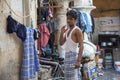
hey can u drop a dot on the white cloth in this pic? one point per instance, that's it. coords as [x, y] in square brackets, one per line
[69, 43]
[89, 50]
[89, 19]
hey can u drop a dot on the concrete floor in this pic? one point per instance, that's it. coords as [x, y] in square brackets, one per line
[110, 74]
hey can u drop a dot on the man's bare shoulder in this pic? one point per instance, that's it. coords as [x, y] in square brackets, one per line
[78, 30]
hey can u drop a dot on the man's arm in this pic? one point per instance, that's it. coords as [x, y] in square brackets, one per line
[80, 41]
[62, 36]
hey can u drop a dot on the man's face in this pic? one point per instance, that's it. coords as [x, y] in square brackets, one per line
[70, 21]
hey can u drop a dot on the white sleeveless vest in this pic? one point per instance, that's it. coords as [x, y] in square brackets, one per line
[69, 44]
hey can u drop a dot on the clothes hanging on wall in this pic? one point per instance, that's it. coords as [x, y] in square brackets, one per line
[85, 22]
[21, 32]
[12, 24]
[49, 37]
[51, 41]
[30, 60]
[93, 24]
[44, 35]
[15, 26]
[46, 13]
[81, 23]
[53, 28]
[52, 25]
[36, 33]
[50, 12]
[88, 22]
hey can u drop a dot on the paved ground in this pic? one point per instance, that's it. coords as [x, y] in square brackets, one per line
[110, 74]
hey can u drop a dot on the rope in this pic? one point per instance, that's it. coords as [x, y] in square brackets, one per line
[15, 12]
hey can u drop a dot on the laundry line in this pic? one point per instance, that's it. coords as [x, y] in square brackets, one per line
[11, 10]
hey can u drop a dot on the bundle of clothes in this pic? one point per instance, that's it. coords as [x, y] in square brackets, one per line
[48, 37]
[28, 35]
[48, 26]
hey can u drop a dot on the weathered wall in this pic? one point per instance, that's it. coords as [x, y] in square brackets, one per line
[104, 9]
[106, 24]
[10, 44]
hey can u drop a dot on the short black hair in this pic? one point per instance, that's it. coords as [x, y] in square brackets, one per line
[72, 13]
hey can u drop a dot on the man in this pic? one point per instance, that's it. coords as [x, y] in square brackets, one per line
[70, 38]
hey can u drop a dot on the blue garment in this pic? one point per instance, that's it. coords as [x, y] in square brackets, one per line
[30, 60]
[15, 26]
[88, 24]
[69, 66]
[21, 32]
[93, 24]
[11, 24]
[81, 21]
[44, 12]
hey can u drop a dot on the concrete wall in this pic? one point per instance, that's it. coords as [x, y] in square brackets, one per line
[106, 24]
[10, 44]
[105, 9]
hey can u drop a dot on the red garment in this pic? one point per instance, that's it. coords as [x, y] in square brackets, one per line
[44, 35]
[98, 47]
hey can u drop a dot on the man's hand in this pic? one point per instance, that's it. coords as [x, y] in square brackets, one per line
[62, 35]
[64, 29]
[77, 65]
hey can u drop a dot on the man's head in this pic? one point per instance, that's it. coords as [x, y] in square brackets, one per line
[71, 17]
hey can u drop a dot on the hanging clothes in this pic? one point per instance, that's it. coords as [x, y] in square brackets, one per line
[88, 22]
[44, 14]
[30, 60]
[53, 28]
[21, 32]
[44, 11]
[50, 12]
[81, 23]
[44, 35]
[12, 24]
[93, 24]
[52, 25]
[15, 26]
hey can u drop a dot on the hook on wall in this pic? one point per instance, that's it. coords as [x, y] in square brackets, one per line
[10, 12]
